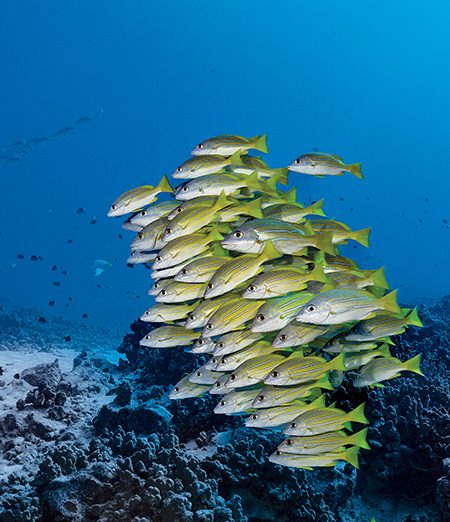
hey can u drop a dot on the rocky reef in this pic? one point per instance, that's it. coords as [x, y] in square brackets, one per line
[98, 441]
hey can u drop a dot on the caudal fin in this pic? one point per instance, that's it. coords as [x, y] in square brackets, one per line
[318, 274]
[214, 234]
[164, 185]
[325, 242]
[282, 175]
[361, 236]
[270, 252]
[261, 143]
[337, 363]
[253, 209]
[359, 439]
[379, 278]
[357, 415]
[351, 456]
[413, 365]
[235, 159]
[316, 208]
[413, 318]
[389, 303]
[355, 169]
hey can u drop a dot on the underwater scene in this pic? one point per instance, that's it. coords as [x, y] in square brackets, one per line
[223, 261]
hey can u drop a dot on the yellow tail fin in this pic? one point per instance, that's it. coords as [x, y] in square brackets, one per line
[389, 303]
[413, 365]
[260, 143]
[355, 169]
[164, 185]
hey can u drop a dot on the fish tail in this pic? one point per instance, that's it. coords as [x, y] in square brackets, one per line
[253, 209]
[389, 303]
[357, 415]
[324, 383]
[235, 159]
[318, 274]
[222, 201]
[316, 208]
[325, 242]
[384, 350]
[337, 363]
[282, 175]
[355, 169]
[361, 236]
[413, 365]
[261, 143]
[252, 182]
[413, 318]
[291, 195]
[215, 235]
[164, 185]
[379, 278]
[270, 252]
[351, 456]
[359, 439]
[319, 402]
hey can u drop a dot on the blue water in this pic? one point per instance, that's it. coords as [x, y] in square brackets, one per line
[368, 81]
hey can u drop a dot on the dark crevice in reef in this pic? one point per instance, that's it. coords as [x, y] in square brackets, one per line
[144, 458]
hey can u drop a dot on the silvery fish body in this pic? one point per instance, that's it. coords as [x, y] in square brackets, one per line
[185, 389]
[237, 401]
[229, 144]
[168, 337]
[153, 213]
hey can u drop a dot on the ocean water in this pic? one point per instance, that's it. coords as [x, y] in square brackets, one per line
[97, 97]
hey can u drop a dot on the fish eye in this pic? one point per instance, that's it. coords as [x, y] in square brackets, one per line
[288, 442]
[238, 234]
[147, 336]
[113, 207]
[220, 345]
[200, 342]
[260, 398]
[224, 360]
[223, 403]
[158, 258]
[198, 374]
[209, 326]
[233, 377]
[156, 285]
[168, 231]
[179, 169]
[217, 385]
[192, 317]
[185, 188]
[214, 360]
[144, 213]
[297, 161]
[209, 286]
[251, 288]
[278, 453]
[283, 337]
[311, 308]
[255, 416]
[177, 389]
[184, 271]
[140, 236]
[179, 209]
[163, 292]
[261, 317]
[147, 312]
[275, 374]
[293, 425]
[200, 146]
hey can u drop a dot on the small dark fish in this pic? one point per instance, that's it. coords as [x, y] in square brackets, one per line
[56, 283]
[420, 221]
[445, 220]
[51, 303]
[54, 268]
[120, 236]
[70, 299]
[70, 241]
[34, 258]
[80, 210]
[94, 221]
[67, 338]
[341, 199]
[84, 316]
[20, 256]
[42, 320]
[64, 272]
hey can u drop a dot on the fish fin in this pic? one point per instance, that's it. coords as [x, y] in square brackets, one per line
[359, 439]
[270, 252]
[357, 415]
[379, 278]
[348, 426]
[337, 363]
[253, 209]
[222, 201]
[384, 350]
[361, 236]
[355, 169]
[320, 402]
[351, 456]
[318, 274]
[379, 385]
[389, 303]
[261, 143]
[306, 228]
[235, 159]
[325, 242]
[316, 208]
[413, 318]
[413, 365]
[324, 383]
[282, 175]
[164, 185]
[291, 195]
[214, 234]
[252, 181]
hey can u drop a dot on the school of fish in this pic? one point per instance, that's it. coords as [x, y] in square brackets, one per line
[252, 278]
